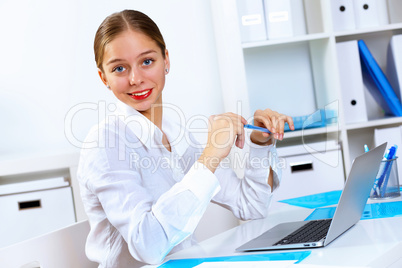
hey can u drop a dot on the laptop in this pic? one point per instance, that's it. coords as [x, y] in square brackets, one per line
[319, 233]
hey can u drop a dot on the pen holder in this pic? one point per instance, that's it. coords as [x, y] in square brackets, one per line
[386, 184]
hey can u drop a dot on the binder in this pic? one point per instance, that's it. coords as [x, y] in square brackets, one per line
[278, 19]
[377, 83]
[251, 20]
[392, 135]
[353, 99]
[394, 64]
[343, 15]
[298, 18]
[394, 11]
[366, 13]
[382, 12]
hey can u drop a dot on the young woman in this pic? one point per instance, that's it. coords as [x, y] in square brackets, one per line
[146, 186]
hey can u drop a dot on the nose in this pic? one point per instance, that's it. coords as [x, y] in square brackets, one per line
[135, 77]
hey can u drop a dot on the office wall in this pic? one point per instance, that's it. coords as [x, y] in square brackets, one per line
[48, 68]
[48, 74]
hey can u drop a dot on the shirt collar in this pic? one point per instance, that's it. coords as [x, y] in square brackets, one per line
[149, 134]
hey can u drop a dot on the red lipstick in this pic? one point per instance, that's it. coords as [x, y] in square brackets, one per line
[140, 95]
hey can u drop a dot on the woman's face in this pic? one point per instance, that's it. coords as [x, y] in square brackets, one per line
[134, 69]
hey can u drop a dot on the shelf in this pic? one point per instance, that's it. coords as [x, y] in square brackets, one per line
[384, 28]
[375, 123]
[318, 36]
[32, 163]
[312, 131]
[295, 39]
[304, 67]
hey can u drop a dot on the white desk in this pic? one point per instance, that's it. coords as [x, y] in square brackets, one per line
[372, 243]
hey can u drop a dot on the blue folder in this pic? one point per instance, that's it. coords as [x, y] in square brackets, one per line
[282, 256]
[377, 83]
[371, 211]
[315, 200]
[319, 118]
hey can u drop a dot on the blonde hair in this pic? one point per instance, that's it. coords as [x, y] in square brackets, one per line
[122, 21]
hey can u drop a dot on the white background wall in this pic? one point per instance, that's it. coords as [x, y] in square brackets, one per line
[48, 68]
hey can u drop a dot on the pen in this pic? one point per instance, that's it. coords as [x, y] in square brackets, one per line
[256, 128]
[366, 149]
[382, 184]
[381, 181]
[380, 172]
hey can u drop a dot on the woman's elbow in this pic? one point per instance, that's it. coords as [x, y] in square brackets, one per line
[150, 254]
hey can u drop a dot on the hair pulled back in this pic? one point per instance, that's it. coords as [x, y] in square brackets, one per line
[122, 21]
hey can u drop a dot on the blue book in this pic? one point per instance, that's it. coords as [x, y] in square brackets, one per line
[319, 118]
[377, 83]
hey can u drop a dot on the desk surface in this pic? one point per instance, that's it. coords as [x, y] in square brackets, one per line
[372, 242]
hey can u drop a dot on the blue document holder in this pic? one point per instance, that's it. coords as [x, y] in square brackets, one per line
[315, 200]
[377, 83]
[371, 211]
[320, 118]
[286, 256]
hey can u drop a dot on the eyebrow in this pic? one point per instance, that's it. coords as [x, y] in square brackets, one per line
[140, 55]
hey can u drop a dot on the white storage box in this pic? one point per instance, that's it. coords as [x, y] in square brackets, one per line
[309, 169]
[34, 212]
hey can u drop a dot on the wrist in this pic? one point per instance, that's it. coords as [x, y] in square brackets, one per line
[210, 161]
[261, 142]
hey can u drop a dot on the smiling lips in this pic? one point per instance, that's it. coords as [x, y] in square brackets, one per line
[140, 95]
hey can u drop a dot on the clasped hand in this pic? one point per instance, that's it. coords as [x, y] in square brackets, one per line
[227, 129]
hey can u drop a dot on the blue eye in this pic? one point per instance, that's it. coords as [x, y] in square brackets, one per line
[119, 69]
[147, 62]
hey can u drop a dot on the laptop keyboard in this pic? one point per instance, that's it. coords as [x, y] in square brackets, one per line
[310, 232]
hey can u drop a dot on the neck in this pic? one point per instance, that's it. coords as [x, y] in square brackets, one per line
[154, 114]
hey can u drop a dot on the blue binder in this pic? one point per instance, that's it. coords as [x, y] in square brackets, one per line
[377, 83]
[319, 118]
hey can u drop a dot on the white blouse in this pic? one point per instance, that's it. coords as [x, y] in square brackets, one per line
[144, 202]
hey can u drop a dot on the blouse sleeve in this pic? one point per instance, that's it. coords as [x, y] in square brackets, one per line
[248, 197]
[151, 229]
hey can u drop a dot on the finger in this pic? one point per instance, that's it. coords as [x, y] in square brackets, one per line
[238, 118]
[240, 139]
[243, 121]
[241, 136]
[281, 123]
[210, 122]
[274, 120]
[281, 128]
[290, 123]
[265, 122]
[237, 128]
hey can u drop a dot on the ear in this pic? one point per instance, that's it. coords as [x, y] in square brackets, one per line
[103, 77]
[167, 60]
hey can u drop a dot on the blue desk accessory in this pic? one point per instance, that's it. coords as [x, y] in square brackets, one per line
[320, 118]
[366, 149]
[321, 213]
[382, 210]
[380, 183]
[256, 128]
[315, 200]
[286, 256]
[371, 211]
[377, 83]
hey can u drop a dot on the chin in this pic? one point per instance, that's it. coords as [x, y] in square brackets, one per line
[141, 107]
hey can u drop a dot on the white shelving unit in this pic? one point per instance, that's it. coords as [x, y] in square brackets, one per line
[277, 73]
[33, 198]
[21, 168]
